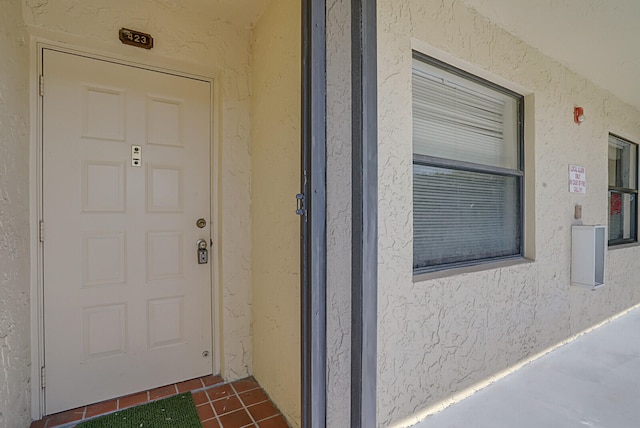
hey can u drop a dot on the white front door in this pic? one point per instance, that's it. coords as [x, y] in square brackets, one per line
[126, 176]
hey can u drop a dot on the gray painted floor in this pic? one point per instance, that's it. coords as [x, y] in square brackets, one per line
[591, 382]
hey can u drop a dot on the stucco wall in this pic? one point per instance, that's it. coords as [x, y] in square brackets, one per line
[338, 212]
[15, 355]
[186, 36]
[275, 179]
[439, 336]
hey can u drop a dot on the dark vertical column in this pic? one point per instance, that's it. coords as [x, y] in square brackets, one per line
[365, 215]
[314, 209]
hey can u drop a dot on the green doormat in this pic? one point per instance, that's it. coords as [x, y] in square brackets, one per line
[178, 411]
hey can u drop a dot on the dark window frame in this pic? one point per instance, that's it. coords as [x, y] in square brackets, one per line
[519, 174]
[617, 242]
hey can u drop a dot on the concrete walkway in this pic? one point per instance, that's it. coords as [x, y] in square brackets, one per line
[592, 382]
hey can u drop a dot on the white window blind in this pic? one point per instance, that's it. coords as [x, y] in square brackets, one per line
[467, 173]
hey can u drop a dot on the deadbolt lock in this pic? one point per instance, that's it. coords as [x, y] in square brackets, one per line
[201, 223]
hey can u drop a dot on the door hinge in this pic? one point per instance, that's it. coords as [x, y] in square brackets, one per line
[301, 206]
[41, 84]
[41, 231]
[42, 378]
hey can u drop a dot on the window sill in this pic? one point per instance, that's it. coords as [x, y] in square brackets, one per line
[420, 277]
[622, 246]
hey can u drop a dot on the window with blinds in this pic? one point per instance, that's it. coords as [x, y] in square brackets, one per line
[623, 191]
[467, 168]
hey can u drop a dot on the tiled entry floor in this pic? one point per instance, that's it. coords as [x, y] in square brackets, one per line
[238, 404]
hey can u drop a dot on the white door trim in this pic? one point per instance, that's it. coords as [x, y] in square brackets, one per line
[36, 200]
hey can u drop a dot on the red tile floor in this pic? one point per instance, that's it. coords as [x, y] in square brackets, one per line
[238, 404]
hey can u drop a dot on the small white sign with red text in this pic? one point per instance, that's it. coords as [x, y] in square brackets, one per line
[577, 179]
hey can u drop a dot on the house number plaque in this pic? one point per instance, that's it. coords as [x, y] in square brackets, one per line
[135, 38]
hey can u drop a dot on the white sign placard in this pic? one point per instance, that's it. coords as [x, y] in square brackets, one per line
[577, 179]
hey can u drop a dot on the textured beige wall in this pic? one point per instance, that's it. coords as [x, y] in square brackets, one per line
[184, 35]
[275, 179]
[15, 355]
[440, 336]
[338, 213]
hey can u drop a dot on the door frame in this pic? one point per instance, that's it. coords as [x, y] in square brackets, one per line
[313, 225]
[364, 238]
[364, 227]
[157, 64]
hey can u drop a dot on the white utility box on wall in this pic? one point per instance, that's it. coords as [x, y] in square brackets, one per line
[588, 251]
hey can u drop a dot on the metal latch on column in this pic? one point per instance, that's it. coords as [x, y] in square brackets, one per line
[301, 206]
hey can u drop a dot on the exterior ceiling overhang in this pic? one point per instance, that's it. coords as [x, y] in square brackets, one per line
[596, 39]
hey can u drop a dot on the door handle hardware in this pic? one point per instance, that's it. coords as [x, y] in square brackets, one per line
[203, 253]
